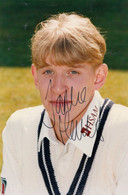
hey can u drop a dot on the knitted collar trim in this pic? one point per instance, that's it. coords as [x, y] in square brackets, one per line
[45, 162]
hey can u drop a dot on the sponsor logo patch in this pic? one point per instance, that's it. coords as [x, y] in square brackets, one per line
[3, 185]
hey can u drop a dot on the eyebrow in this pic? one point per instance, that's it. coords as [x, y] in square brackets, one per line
[46, 65]
[77, 65]
[70, 66]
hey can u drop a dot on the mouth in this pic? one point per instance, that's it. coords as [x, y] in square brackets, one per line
[58, 103]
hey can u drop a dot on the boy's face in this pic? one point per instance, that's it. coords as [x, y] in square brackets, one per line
[67, 91]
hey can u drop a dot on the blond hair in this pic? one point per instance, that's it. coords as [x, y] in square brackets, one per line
[67, 39]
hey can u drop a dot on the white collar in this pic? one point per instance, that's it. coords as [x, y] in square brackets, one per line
[87, 142]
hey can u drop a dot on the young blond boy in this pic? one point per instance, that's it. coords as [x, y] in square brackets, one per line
[76, 142]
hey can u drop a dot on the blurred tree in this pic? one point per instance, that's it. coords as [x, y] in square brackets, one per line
[18, 19]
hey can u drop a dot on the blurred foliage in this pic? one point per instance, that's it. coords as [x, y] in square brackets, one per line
[18, 19]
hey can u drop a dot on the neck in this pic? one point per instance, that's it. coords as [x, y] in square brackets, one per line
[63, 129]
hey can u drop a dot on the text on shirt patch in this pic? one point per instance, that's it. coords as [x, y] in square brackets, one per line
[90, 121]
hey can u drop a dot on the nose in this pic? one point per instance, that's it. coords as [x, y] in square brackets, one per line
[59, 85]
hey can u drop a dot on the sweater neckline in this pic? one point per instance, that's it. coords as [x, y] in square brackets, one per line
[79, 181]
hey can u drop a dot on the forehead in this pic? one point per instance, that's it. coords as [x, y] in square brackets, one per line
[51, 62]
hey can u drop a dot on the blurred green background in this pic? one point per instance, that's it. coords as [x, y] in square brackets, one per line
[18, 19]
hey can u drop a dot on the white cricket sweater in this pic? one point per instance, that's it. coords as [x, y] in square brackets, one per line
[109, 172]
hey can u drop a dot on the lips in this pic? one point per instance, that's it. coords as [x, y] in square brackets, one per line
[60, 102]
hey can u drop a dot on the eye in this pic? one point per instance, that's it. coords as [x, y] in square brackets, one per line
[48, 72]
[73, 72]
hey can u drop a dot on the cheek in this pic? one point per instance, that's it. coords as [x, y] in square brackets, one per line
[89, 84]
[43, 86]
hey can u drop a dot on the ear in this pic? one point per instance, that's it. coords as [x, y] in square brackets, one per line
[100, 77]
[34, 73]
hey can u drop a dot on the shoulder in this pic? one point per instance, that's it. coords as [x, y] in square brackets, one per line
[118, 115]
[116, 126]
[26, 114]
[24, 120]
